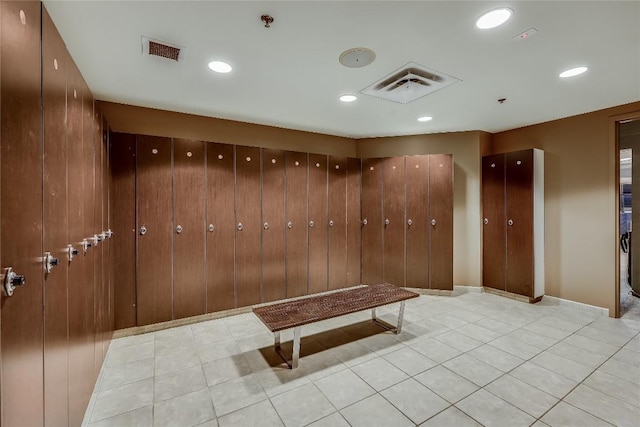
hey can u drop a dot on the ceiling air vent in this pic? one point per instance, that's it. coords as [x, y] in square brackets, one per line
[162, 49]
[408, 83]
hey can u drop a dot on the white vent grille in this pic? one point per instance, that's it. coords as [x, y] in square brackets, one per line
[408, 83]
[152, 47]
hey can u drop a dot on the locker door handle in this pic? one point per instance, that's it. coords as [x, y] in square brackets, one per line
[409, 222]
[311, 224]
[331, 223]
[433, 222]
[364, 221]
[266, 226]
[50, 262]
[71, 252]
[86, 244]
[240, 226]
[11, 281]
[386, 221]
[510, 222]
[179, 229]
[486, 221]
[289, 225]
[109, 233]
[211, 228]
[143, 230]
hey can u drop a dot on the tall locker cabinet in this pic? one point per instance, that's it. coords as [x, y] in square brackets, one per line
[513, 222]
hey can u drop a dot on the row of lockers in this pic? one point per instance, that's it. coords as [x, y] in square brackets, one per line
[57, 322]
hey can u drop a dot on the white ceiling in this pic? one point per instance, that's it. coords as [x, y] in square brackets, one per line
[289, 75]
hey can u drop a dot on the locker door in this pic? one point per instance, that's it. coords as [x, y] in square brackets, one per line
[21, 215]
[189, 288]
[394, 220]
[354, 227]
[318, 223]
[248, 227]
[441, 217]
[372, 221]
[123, 202]
[494, 222]
[221, 225]
[97, 229]
[273, 267]
[154, 230]
[55, 224]
[519, 209]
[296, 223]
[337, 222]
[417, 223]
[80, 306]
[106, 287]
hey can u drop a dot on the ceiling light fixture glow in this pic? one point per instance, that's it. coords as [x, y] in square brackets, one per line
[220, 67]
[494, 18]
[573, 72]
[424, 118]
[348, 98]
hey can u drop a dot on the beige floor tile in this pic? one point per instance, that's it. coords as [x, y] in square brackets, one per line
[259, 414]
[374, 411]
[446, 383]
[459, 341]
[227, 369]
[236, 394]
[141, 417]
[478, 333]
[436, 350]
[410, 361]
[531, 338]
[560, 365]
[333, 420]
[591, 345]
[604, 336]
[130, 353]
[123, 399]
[174, 344]
[616, 387]
[179, 383]
[451, 417]
[546, 330]
[492, 411]
[219, 350]
[522, 395]
[414, 400]
[628, 356]
[280, 380]
[515, 347]
[185, 411]
[495, 357]
[604, 406]
[496, 326]
[302, 406]
[177, 361]
[565, 415]
[126, 373]
[543, 379]
[577, 354]
[472, 369]
[131, 340]
[344, 388]
[621, 370]
[379, 373]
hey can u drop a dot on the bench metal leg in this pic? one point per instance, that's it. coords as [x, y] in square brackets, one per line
[373, 314]
[293, 363]
[397, 329]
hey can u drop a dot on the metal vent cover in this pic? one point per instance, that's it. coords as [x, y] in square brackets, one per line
[408, 83]
[162, 49]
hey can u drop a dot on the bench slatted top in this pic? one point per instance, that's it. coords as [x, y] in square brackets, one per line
[291, 314]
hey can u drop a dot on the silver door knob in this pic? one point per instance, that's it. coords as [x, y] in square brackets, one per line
[409, 222]
[179, 229]
[289, 225]
[11, 281]
[486, 221]
[143, 230]
[510, 222]
[433, 222]
[311, 224]
[240, 226]
[364, 221]
[266, 226]
[386, 221]
[211, 228]
[330, 223]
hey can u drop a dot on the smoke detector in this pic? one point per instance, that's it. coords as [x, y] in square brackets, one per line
[357, 57]
[162, 49]
[408, 83]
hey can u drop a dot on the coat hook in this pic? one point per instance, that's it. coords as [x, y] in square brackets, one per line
[267, 19]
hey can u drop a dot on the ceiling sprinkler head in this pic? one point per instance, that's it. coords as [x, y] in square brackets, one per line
[267, 19]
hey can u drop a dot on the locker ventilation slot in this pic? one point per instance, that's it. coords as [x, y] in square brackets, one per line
[162, 49]
[408, 83]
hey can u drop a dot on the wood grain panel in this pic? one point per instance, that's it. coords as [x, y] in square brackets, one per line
[107, 327]
[248, 249]
[519, 208]
[56, 373]
[372, 247]
[220, 216]
[123, 202]
[354, 227]
[318, 223]
[155, 247]
[417, 187]
[394, 212]
[189, 286]
[337, 222]
[494, 222]
[296, 215]
[273, 236]
[21, 216]
[441, 210]
[99, 309]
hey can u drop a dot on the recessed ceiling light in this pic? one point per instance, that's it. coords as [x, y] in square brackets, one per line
[424, 118]
[573, 72]
[494, 18]
[219, 66]
[348, 98]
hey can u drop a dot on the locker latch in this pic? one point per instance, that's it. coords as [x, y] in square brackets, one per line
[331, 223]
[409, 222]
[86, 244]
[10, 281]
[179, 229]
[71, 252]
[109, 233]
[386, 221]
[50, 261]
[96, 240]
[364, 221]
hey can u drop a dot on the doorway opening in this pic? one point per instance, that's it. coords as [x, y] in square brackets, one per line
[629, 209]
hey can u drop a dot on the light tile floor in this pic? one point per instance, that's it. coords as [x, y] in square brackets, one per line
[472, 359]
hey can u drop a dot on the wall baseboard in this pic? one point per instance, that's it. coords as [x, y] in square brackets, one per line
[576, 305]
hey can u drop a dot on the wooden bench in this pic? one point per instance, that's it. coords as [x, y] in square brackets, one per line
[295, 314]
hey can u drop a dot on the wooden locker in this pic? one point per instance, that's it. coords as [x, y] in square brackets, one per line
[354, 226]
[98, 247]
[318, 223]
[417, 223]
[338, 222]
[80, 300]
[494, 222]
[273, 254]
[394, 220]
[441, 221]
[248, 227]
[55, 225]
[154, 230]
[296, 223]
[106, 244]
[372, 221]
[221, 227]
[21, 215]
[519, 214]
[123, 202]
[189, 286]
